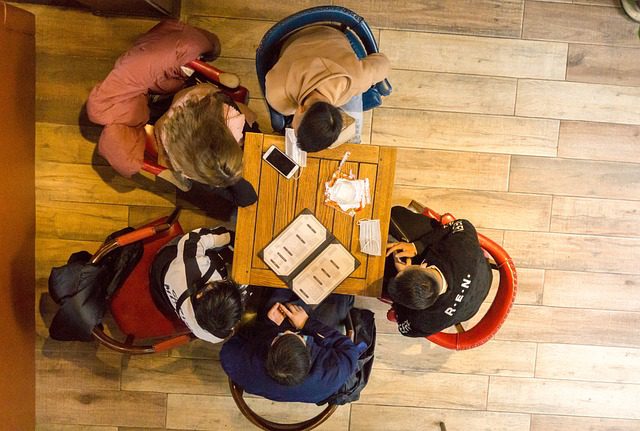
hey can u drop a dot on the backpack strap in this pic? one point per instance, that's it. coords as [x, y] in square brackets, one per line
[198, 284]
[193, 290]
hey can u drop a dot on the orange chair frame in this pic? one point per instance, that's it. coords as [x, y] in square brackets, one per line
[153, 235]
[493, 319]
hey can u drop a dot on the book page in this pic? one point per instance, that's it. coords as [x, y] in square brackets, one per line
[297, 242]
[324, 274]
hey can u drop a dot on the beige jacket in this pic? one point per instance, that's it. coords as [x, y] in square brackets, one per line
[321, 58]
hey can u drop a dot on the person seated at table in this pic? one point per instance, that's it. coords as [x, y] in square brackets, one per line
[438, 280]
[317, 71]
[183, 140]
[198, 138]
[292, 355]
[189, 278]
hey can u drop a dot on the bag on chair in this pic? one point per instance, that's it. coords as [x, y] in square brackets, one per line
[83, 289]
[364, 327]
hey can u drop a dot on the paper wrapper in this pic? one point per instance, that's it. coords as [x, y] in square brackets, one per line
[360, 193]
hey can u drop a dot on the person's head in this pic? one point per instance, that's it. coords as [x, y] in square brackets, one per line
[197, 140]
[317, 126]
[218, 307]
[288, 359]
[416, 287]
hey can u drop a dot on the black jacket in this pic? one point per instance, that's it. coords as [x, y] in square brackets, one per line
[454, 249]
[83, 289]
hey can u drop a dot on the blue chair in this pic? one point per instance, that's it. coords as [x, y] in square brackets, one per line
[354, 28]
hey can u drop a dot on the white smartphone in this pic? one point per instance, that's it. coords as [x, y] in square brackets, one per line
[280, 162]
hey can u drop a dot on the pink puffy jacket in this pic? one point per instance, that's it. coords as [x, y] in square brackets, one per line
[152, 65]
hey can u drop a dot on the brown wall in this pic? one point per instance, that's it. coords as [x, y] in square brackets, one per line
[17, 218]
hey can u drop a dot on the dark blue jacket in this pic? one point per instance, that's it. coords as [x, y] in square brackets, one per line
[334, 359]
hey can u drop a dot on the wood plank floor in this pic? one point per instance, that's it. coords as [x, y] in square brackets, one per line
[519, 115]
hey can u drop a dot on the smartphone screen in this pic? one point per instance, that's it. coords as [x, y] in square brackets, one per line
[280, 162]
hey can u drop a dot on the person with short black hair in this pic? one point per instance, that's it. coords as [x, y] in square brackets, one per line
[189, 277]
[415, 288]
[218, 307]
[440, 278]
[291, 355]
[288, 360]
[319, 128]
[316, 72]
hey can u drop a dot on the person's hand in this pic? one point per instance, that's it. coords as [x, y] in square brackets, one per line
[400, 264]
[402, 254]
[276, 314]
[296, 315]
[402, 249]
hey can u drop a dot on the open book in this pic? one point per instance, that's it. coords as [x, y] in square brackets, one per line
[308, 258]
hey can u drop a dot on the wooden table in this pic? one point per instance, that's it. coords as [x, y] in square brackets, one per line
[281, 200]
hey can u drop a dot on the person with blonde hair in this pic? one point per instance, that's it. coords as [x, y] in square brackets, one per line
[195, 139]
[198, 138]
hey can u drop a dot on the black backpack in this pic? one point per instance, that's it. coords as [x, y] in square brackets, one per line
[364, 327]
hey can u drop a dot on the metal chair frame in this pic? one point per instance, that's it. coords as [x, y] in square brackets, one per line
[161, 226]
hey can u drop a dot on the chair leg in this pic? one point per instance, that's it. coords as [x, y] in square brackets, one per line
[443, 427]
[129, 340]
[416, 206]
